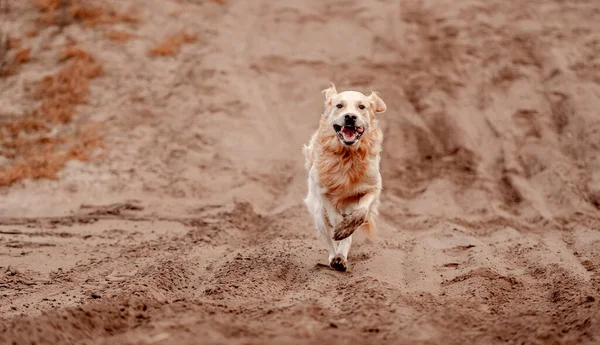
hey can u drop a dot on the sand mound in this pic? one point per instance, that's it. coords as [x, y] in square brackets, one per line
[189, 228]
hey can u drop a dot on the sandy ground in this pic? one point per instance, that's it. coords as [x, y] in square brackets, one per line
[189, 227]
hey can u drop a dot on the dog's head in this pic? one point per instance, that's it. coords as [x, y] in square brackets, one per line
[350, 114]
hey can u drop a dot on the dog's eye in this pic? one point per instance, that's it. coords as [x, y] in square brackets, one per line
[340, 106]
[361, 107]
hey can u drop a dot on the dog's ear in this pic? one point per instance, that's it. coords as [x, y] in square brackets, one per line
[377, 103]
[329, 93]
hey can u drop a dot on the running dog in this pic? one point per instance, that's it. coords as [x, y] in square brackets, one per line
[342, 160]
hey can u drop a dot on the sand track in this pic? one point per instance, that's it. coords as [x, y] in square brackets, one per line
[188, 227]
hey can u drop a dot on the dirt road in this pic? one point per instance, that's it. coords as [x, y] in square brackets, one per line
[173, 130]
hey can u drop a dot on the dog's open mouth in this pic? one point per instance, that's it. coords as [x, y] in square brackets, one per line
[349, 134]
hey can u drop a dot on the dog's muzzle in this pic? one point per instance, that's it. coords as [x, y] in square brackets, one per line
[349, 133]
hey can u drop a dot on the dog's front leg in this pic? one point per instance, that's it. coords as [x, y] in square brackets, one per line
[356, 218]
[340, 261]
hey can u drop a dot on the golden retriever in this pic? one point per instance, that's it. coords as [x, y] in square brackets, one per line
[342, 160]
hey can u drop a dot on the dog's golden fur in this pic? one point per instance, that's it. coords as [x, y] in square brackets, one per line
[344, 179]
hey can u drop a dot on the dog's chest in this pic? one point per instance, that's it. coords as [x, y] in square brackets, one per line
[343, 176]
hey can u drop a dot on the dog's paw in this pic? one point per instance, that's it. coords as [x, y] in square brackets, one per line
[339, 263]
[348, 225]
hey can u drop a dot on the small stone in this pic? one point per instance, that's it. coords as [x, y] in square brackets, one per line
[11, 271]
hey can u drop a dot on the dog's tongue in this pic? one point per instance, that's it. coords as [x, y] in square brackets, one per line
[349, 134]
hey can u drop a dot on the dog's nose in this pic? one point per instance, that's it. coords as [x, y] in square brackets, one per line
[350, 118]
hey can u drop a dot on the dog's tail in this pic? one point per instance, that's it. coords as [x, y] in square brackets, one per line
[369, 226]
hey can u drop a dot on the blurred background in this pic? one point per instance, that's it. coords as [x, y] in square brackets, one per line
[150, 153]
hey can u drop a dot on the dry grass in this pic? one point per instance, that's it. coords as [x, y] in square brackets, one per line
[170, 45]
[59, 93]
[14, 43]
[45, 156]
[4, 51]
[119, 36]
[47, 5]
[31, 33]
[30, 143]
[95, 15]
[85, 12]
[22, 56]
[4, 8]
[12, 55]
[39, 144]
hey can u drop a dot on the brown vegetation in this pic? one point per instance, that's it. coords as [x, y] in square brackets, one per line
[31, 33]
[45, 156]
[60, 12]
[119, 36]
[14, 43]
[29, 143]
[12, 55]
[38, 144]
[170, 45]
[60, 92]
[22, 55]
